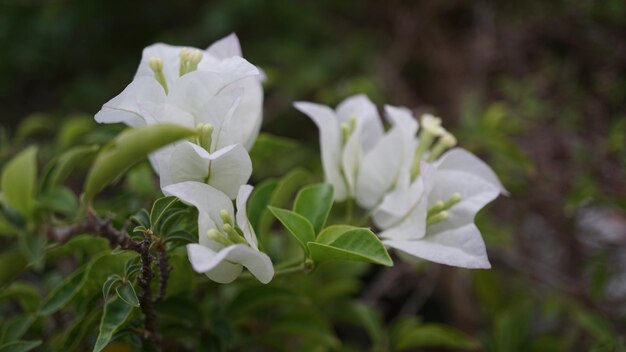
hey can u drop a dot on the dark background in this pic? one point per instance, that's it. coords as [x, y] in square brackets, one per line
[536, 88]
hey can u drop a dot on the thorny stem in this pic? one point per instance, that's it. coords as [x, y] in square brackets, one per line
[103, 227]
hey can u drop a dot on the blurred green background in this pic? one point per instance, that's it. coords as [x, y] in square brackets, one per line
[536, 88]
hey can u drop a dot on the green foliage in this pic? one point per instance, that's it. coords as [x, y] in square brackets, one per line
[314, 203]
[115, 314]
[19, 182]
[341, 243]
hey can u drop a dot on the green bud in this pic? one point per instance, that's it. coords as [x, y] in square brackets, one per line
[156, 65]
[437, 218]
[215, 235]
[233, 235]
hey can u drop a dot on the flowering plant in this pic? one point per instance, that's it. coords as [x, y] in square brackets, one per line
[196, 114]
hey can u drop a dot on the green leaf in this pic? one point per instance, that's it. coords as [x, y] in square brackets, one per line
[33, 246]
[256, 297]
[6, 227]
[12, 262]
[74, 130]
[58, 170]
[19, 346]
[25, 293]
[141, 218]
[434, 336]
[127, 293]
[111, 281]
[285, 188]
[259, 199]
[131, 146]
[359, 244]
[62, 294]
[159, 208]
[115, 314]
[60, 200]
[19, 181]
[15, 328]
[314, 203]
[37, 124]
[297, 225]
[181, 238]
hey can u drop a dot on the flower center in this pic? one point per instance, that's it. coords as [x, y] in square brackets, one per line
[156, 65]
[189, 59]
[439, 211]
[347, 128]
[205, 135]
[430, 130]
[229, 235]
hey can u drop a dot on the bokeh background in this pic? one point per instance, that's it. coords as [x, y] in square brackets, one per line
[536, 88]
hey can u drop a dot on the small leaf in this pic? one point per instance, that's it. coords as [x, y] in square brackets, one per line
[132, 270]
[111, 281]
[182, 237]
[59, 169]
[62, 294]
[314, 203]
[19, 181]
[297, 225]
[127, 293]
[141, 218]
[257, 204]
[129, 147]
[433, 335]
[13, 329]
[115, 314]
[19, 346]
[74, 130]
[358, 244]
[160, 210]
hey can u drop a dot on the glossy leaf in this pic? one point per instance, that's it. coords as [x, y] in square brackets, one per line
[19, 181]
[62, 294]
[358, 244]
[131, 146]
[115, 314]
[314, 203]
[258, 202]
[127, 293]
[109, 284]
[297, 225]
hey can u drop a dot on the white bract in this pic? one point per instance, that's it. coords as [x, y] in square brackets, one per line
[227, 241]
[430, 213]
[360, 160]
[191, 79]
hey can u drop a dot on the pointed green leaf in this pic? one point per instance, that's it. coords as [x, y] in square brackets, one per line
[314, 203]
[14, 328]
[115, 314]
[297, 225]
[62, 294]
[131, 146]
[358, 244]
[108, 285]
[19, 346]
[182, 237]
[127, 293]
[19, 181]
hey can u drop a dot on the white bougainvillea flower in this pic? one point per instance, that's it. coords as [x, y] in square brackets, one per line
[434, 218]
[227, 169]
[227, 242]
[346, 134]
[188, 78]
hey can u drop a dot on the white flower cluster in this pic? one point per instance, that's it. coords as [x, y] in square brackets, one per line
[422, 193]
[219, 93]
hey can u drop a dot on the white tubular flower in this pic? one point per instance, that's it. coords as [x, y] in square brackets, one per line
[189, 78]
[346, 134]
[227, 242]
[433, 217]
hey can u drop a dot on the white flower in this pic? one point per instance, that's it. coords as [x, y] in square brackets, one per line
[189, 79]
[432, 217]
[227, 243]
[347, 133]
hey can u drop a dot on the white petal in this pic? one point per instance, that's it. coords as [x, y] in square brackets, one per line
[475, 193]
[125, 107]
[248, 115]
[218, 111]
[380, 169]
[360, 107]
[258, 263]
[462, 247]
[206, 261]
[403, 119]
[412, 226]
[461, 160]
[330, 144]
[242, 215]
[230, 168]
[186, 162]
[226, 47]
[154, 113]
[204, 197]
